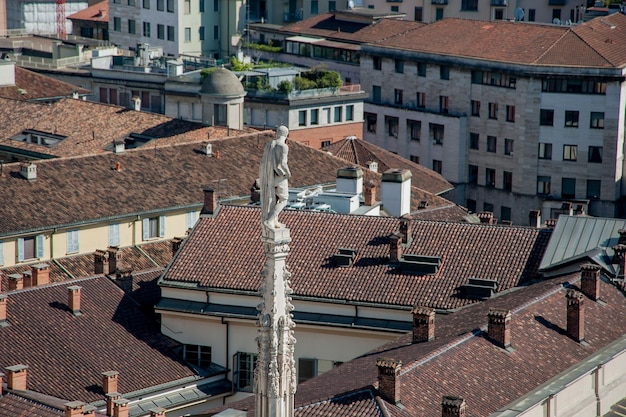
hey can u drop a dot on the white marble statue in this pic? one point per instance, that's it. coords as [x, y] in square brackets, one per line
[273, 177]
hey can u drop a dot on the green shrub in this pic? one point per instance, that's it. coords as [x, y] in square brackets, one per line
[237, 65]
[285, 87]
[302, 83]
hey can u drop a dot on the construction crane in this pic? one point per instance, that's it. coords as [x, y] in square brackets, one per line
[61, 19]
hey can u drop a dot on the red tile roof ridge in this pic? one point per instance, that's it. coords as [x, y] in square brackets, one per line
[326, 399]
[55, 284]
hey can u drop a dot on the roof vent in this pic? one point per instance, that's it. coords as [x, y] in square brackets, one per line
[345, 257]
[372, 165]
[479, 288]
[28, 171]
[420, 264]
[207, 149]
[119, 145]
[422, 205]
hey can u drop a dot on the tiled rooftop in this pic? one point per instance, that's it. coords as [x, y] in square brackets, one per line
[360, 152]
[98, 12]
[592, 44]
[69, 190]
[66, 354]
[30, 85]
[12, 405]
[507, 254]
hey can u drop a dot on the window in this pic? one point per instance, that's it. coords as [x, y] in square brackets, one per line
[556, 14]
[187, 34]
[131, 26]
[397, 96]
[546, 117]
[399, 66]
[197, 355]
[308, 368]
[117, 1]
[421, 100]
[170, 5]
[488, 207]
[131, 2]
[493, 111]
[72, 241]
[595, 154]
[201, 33]
[490, 177]
[436, 132]
[146, 29]
[573, 85]
[117, 24]
[593, 189]
[201, 5]
[220, 115]
[114, 234]
[314, 7]
[475, 108]
[160, 31]
[472, 175]
[337, 114]
[469, 5]
[414, 158]
[543, 185]
[545, 150]
[153, 227]
[332, 5]
[302, 118]
[376, 94]
[216, 6]
[187, 7]
[350, 112]
[170, 33]
[146, 4]
[498, 14]
[160, 5]
[438, 13]
[531, 15]
[508, 146]
[570, 152]
[216, 32]
[191, 217]
[395, 9]
[510, 113]
[29, 248]
[421, 69]
[414, 127]
[568, 188]
[437, 166]
[492, 143]
[243, 373]
[370, 119]
[444, 72]
[571, 118]
[443, 104]
[597, 120]
[474, 141]
[505, 213]
[418, 14]
[377, 63]
[315, 116]
[507, 181]
[471, 205]
[391, 124]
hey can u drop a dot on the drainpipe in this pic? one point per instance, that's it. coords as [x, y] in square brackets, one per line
[224, 322]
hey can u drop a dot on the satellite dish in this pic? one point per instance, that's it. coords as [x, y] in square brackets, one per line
[556, 21]
[351, 4]
[519, 14]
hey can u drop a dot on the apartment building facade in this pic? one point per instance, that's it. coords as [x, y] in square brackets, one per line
[514, 127]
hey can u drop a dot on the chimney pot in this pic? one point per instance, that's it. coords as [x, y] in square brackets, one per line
[486, 217]
[120, 407]
[28, 170]
[575, 315]
[350, 180]
[40, 274]
[16, 377]
[3, 310]
[100, 262]
[73, 299]
[396, 191]
[176, 242]
[210, 201]
[124, 279]
[109, 382]
[110, 398]
[369, 193]
[405, 229]
[119, 146]
[28, 278]
[157, 412]
[389, 379]
[16, 282]
[395, 248]
[590, 280]
[423, 324]
[499, 328]
[115, 258]
[452, 406]
[74, 409]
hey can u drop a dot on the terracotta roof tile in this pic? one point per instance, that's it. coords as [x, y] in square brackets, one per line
[12, 405]
[30, 85]
[111, 334]
[507, 254]
[98, 12]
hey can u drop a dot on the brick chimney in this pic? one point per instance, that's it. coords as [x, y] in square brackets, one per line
[499, 328]
[350, 180]
[120, 407]
[28, 278]
[423, 324]
[396, 191]
[16, 377]
[74, 409]
[89, 411]
[124, 279]
[575, 315]
[210, 201]
[389, 379]
[452, 406]
[3, 311]
[405, 229]
[73, 299]
[109, 381]
[101, 262]
[40, 274]
[534, 218]
[110, 398]
[157, 412]
[486, 217]
[395, 248]
[16, 282]
[115, 258]
[590, 280]
[176, 242]
[369, 193]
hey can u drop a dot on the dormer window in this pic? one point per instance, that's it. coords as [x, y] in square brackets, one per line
[38, 137]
